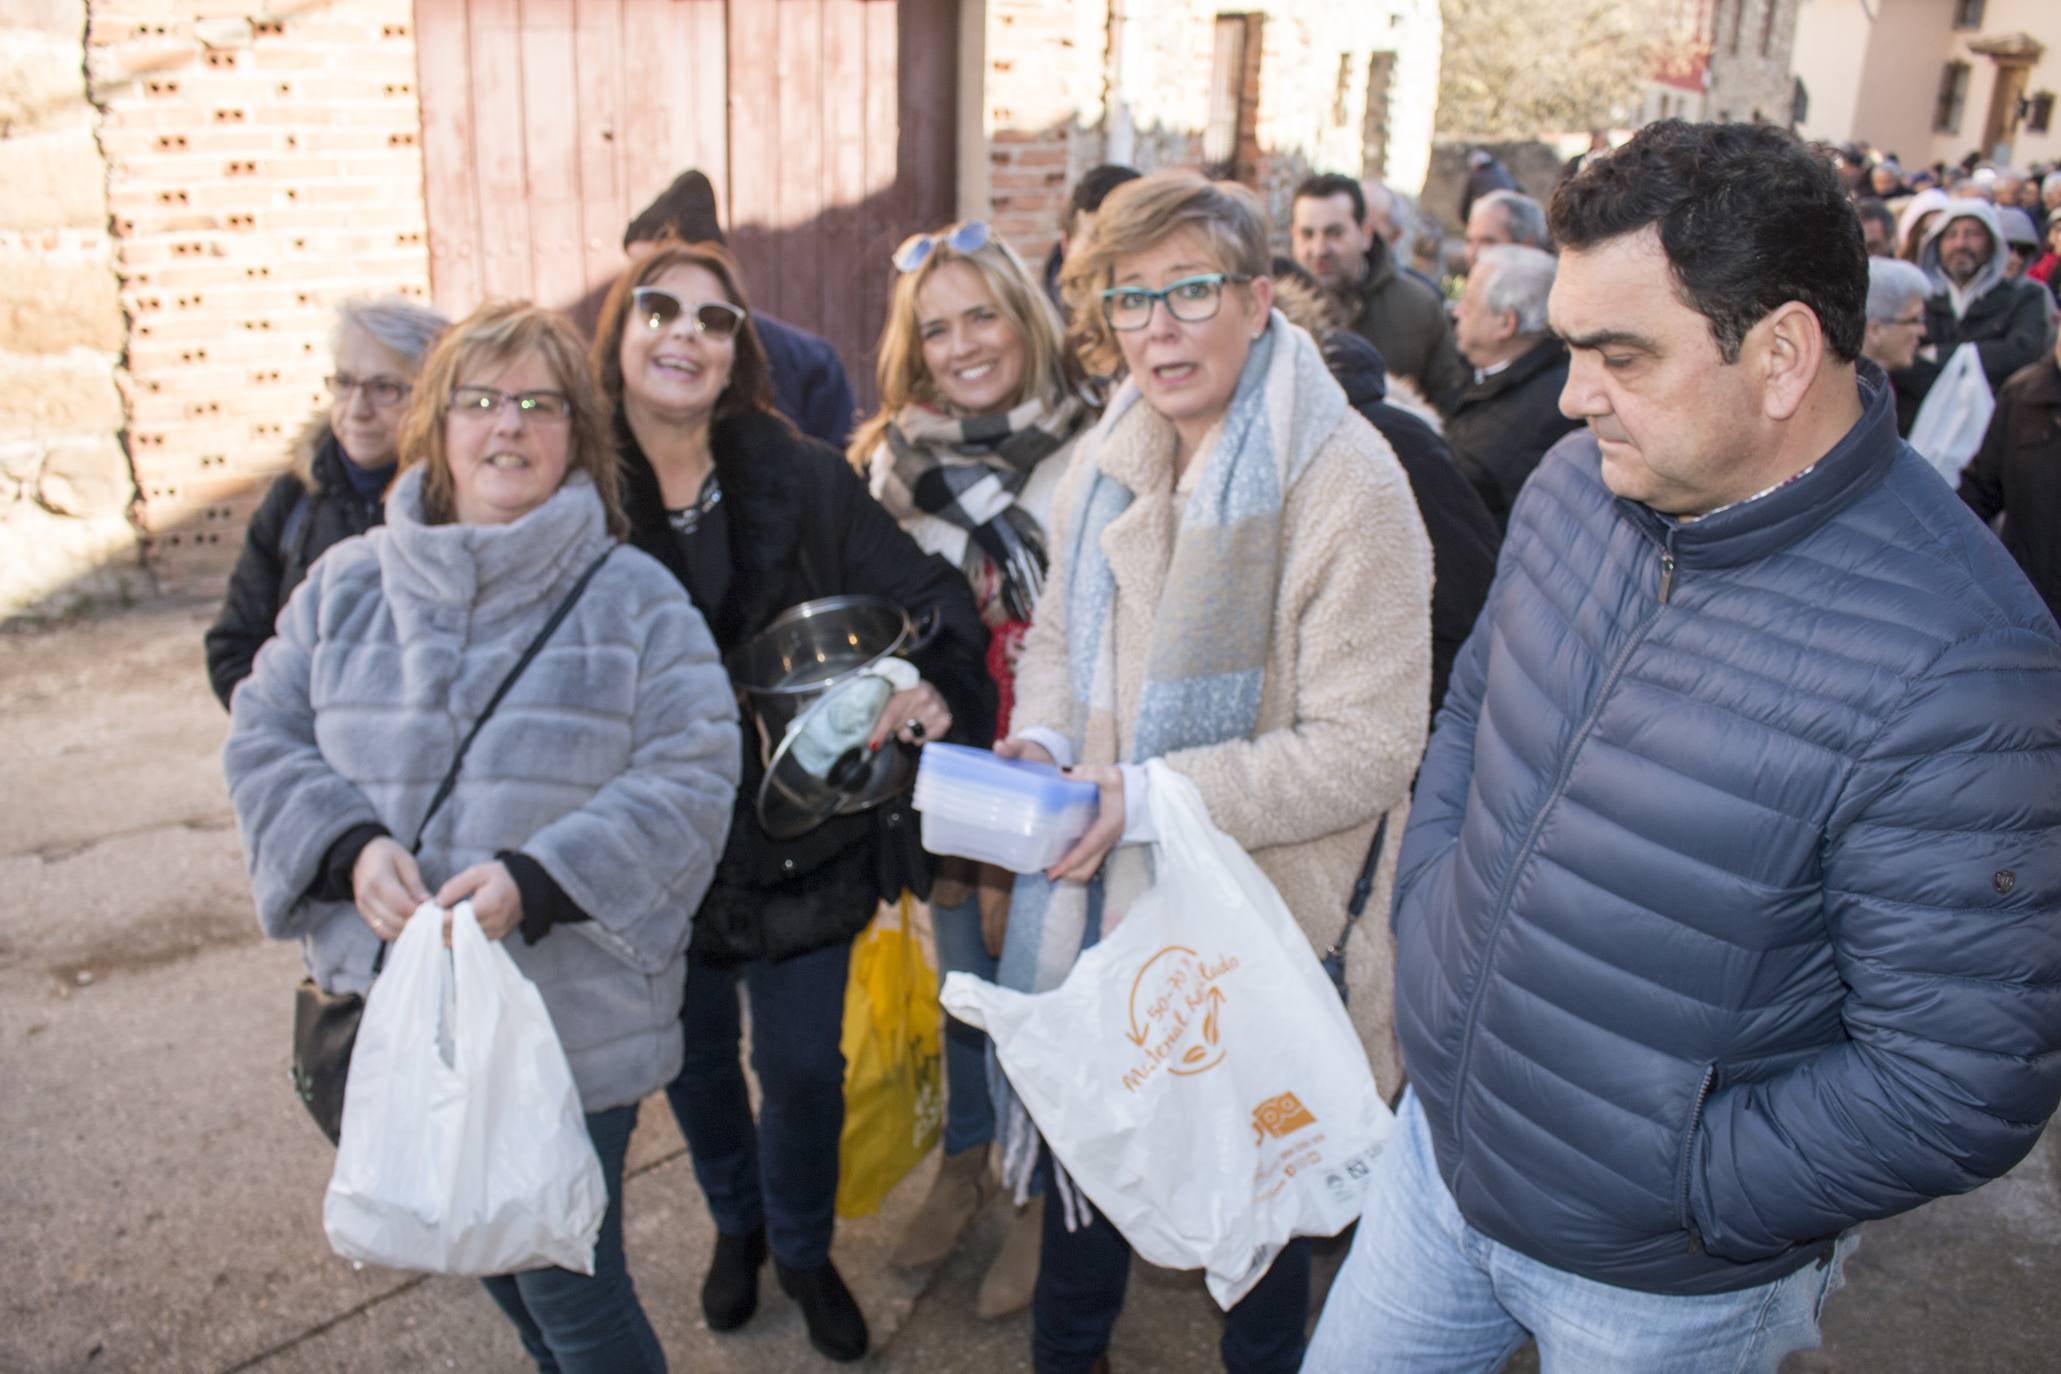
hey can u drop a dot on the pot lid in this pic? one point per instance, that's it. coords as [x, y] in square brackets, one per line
[822, 766]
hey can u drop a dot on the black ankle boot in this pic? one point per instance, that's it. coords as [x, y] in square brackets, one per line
[730, 1293]
[836, 1327]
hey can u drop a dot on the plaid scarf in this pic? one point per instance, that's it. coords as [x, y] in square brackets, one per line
[1206, 662]
[968, 470]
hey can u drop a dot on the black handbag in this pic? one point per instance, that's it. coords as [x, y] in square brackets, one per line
[325, 1024]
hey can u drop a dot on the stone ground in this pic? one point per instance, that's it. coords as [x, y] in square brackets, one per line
[161, 1205]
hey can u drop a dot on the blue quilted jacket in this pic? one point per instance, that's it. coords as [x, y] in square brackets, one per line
[1729, 911]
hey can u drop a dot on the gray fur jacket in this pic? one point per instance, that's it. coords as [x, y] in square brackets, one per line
[612, 762]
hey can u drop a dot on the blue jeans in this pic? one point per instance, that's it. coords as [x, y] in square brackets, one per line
[969, 1110]
[1081, 1280]
[780, 1174]
[573, 1324]
[1426, 1293]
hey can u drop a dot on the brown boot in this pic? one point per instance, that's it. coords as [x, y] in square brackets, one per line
[956, 1195]
[1006, 1287]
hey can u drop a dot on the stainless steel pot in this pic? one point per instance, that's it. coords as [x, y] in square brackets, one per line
[807, 679]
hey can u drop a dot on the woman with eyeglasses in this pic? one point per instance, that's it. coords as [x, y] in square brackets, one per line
[341, 464]
[753, 518]
[1241, 588]
[590, 807]
[979, 412]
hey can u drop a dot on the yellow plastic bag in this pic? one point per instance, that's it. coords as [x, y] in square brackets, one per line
[893, 1063]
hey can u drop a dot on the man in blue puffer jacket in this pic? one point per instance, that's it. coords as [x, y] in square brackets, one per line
[1729, 912]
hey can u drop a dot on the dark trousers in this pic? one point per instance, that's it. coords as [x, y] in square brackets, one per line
[780, 1174]
[573, 1324]
[1081, 1280]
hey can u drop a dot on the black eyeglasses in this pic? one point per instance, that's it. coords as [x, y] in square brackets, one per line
[1191, 300]
[383, 392]
[658, 308]
[916, 249]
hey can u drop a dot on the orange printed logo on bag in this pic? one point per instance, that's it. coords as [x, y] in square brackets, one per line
[1280, 1117]
[1176, 1014]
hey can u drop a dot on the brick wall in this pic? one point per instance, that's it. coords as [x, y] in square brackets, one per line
[65, 485]
[262, 165]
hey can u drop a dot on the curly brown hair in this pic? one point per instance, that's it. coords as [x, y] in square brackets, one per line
[501, 332]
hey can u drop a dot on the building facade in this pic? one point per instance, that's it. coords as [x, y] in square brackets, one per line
[1934, 80]
[202, 181]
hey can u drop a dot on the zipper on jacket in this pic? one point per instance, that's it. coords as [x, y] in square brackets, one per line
[1703, 1091]
[1531, 839]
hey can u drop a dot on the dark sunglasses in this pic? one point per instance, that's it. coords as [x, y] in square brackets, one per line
[960, 238]
[658, 308]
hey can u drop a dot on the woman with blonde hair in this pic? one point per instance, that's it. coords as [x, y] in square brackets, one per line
[1241, 589]
[979, 412]
[585, 811]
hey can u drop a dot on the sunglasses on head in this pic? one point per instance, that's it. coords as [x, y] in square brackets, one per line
[960, 238]
[658, 308]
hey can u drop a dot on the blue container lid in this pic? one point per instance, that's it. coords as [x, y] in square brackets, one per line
[1038, 783]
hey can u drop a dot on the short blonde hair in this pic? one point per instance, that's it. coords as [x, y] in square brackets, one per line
[1137, 217]
[501, 332]
[904, 378]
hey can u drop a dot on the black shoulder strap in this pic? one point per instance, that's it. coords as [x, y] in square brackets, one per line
[536, 645]
[1363, 890]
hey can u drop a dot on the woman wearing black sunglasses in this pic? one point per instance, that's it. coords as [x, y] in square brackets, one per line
[754, 518]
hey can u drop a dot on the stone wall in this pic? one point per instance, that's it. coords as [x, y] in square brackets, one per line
[66, 490]
[1749, 80]
[1074, 83]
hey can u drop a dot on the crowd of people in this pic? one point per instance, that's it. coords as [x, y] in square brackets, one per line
[1713, 739]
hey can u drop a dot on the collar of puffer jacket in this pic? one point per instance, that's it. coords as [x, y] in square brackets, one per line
[490, 571]
[1769, 523]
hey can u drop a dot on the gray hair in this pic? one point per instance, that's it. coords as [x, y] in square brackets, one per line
[2052, 183]
[1891, 282]
[1525, 217]
[396, 323]
[1517, 280]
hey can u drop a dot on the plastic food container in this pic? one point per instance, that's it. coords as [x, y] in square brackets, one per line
[1010, 812]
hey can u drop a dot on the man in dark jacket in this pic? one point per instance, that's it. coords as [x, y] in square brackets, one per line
[1506, 420]
[1402, 317]
[809, 383]
[2017, 474]
[1464, 537]
[1974, 301]
[1729, 912]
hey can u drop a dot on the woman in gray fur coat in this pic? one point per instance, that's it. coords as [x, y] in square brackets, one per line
[590, 810]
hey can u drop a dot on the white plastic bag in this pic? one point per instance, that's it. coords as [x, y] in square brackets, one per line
[464, 1149]
[1196, 1073]
[1954, 415]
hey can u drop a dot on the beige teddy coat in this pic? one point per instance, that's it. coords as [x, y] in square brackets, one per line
[1343, 713]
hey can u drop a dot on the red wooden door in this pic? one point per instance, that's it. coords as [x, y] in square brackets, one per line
[826, 126]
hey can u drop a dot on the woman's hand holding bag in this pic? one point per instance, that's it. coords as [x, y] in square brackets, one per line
[464, 1148]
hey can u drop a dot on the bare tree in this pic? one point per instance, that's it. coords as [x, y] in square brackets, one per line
[1515, 68]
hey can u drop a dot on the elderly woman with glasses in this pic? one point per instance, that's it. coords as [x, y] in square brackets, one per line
[1241, 588]
[590, 806]
[979, 411]
[341, 464]
[754, 518]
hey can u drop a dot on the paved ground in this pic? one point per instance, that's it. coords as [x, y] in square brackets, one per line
[160, 1205]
